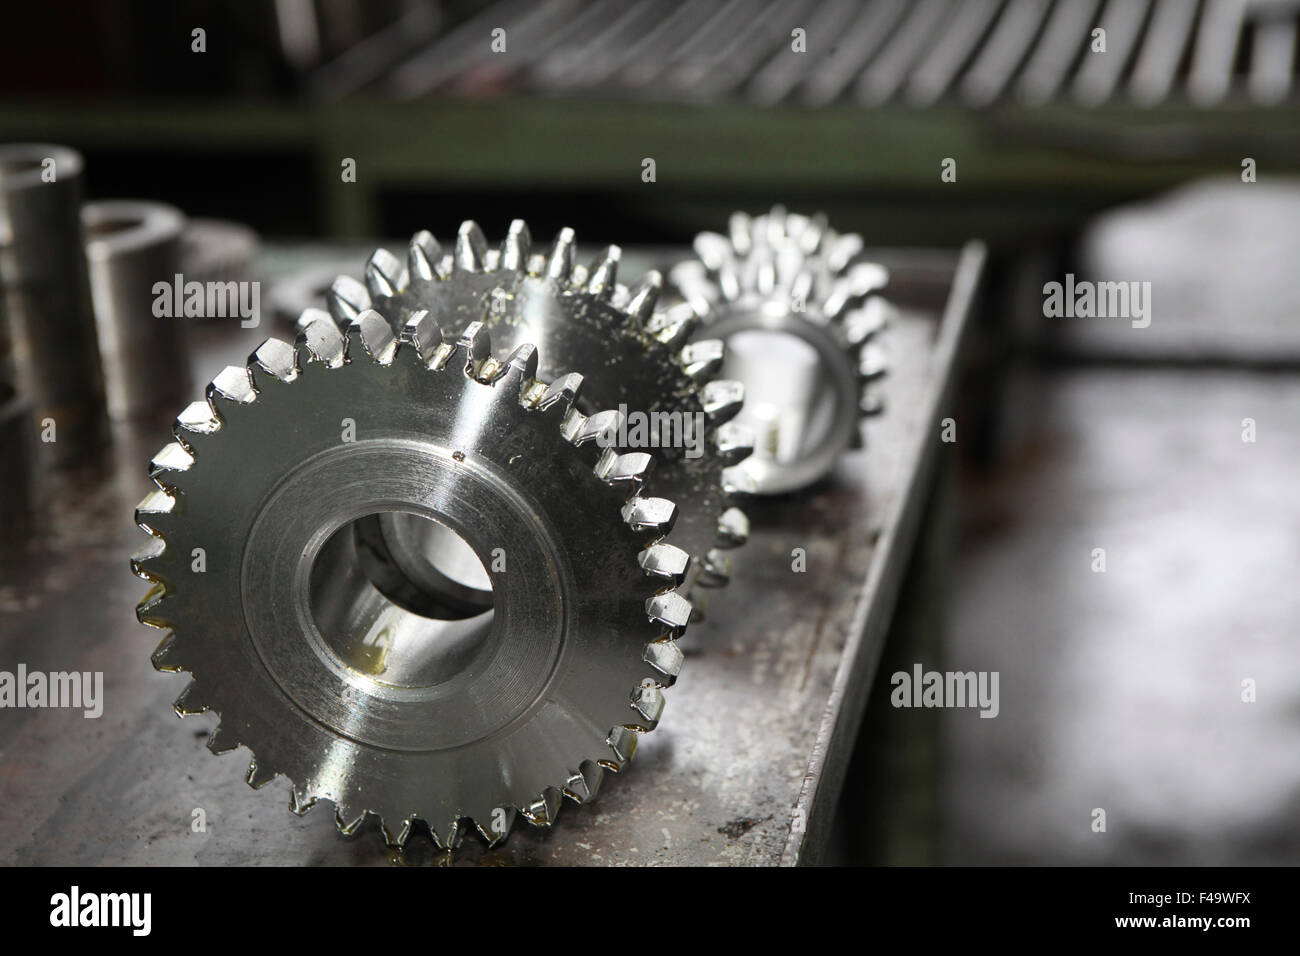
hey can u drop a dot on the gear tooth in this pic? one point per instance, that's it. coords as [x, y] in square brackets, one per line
[422, 257]
[602, 427]
[641, 305]
[669, 609]
[498, 825]
[421, 331]
[733, 442]
[259, 775]
[603, 276]
[733, 528]
[842, 251]
[372, 332]
[312, 314]
[169, 463]
[738, 481]
[191, 701]
[222, 740]
[665, 657]
[324, 343]
[622, 744]
[476, 344]
[703, 359]
[650, 514]
[559, 261]
[516, 248]
[561, 393]
[873, 362]
[664, 560]
[232, 384]
[691, 280]
[632, 467]
[347, 299]
[722, 400]
[448, 837]
[385, 275]
[714, 251]
[164, 656]
[145, 559]
[396, 837]
[871, 403]
[195, 420]
[674, 326]
[276, 358]
[300, 801]
[348, 820]
[471, 247]
[648, 701]
[543, 811]
[154, 508]
[147, 607]
[715, 570]
[740, 227]
[584, 783]
[523, 364]
[868, 321]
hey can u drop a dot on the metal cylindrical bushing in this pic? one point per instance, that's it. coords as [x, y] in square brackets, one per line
[48, 316]
[133, 247]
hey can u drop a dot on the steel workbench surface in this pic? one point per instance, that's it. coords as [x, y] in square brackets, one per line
[745, 767]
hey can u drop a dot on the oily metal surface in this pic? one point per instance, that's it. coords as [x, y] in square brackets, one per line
[768, 688]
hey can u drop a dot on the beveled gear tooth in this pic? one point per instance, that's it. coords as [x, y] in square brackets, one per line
[503, 817]
[641, 305]
[810, 236]
[157, 504]
[372, 332]
[422, 256]
[602, 427]
[396, 836]
[324, 342]
[232, 384]
[722, 399]
[740, 228]
[648, 701]
[259, 775]
[195, 421]
[517, 246]
[146, 609]
[873, 362]
[476, 344]
[300, 801]
[734, 442]
[703, 359]
[584, 783]
[146, 557]
[492, 260]
[604, 273]
[737, 481]
[347, 299]
[169, 461]
[385, 275]
[421, 332]
[871, 402]
[559, 261]
[471, 247]
[347, 820]
[448, 836]
[733, 528]
[714, 570]
[312, 314]
[191, 702]
[542, 811]
[536, 264]
[867, 321]
[843, 250]
[276, 358]
[713, 250]
[561, 393]
[669, 609]
[657, 515]
[165, 658]
[622, 743]
[663, 560]
[523, 364]
[632, 467]
[673, 326]
[222, 740]
[667, 658]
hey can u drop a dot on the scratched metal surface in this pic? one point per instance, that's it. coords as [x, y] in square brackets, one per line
[760, 721]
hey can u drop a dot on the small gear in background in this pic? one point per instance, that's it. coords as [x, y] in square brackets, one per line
[634, 356]
[800, 314]
[287, 477]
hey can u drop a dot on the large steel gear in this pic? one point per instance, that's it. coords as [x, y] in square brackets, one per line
[799, 313]
[261, 567]
[633, 357]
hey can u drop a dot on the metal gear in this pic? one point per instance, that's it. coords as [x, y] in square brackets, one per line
[633, 356]
[800, 314]
[331, 681]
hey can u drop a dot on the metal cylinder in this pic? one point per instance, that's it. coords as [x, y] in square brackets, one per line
[134, 248]
[47, 312]
[17, 453]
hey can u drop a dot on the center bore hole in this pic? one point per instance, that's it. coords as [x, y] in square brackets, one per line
[401, 598]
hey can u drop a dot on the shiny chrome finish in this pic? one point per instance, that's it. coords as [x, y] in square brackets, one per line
[46, 304]
[130, 247]
[800, 314]
[312, 644]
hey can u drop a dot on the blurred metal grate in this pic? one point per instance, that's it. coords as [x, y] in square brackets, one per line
[868, 52]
